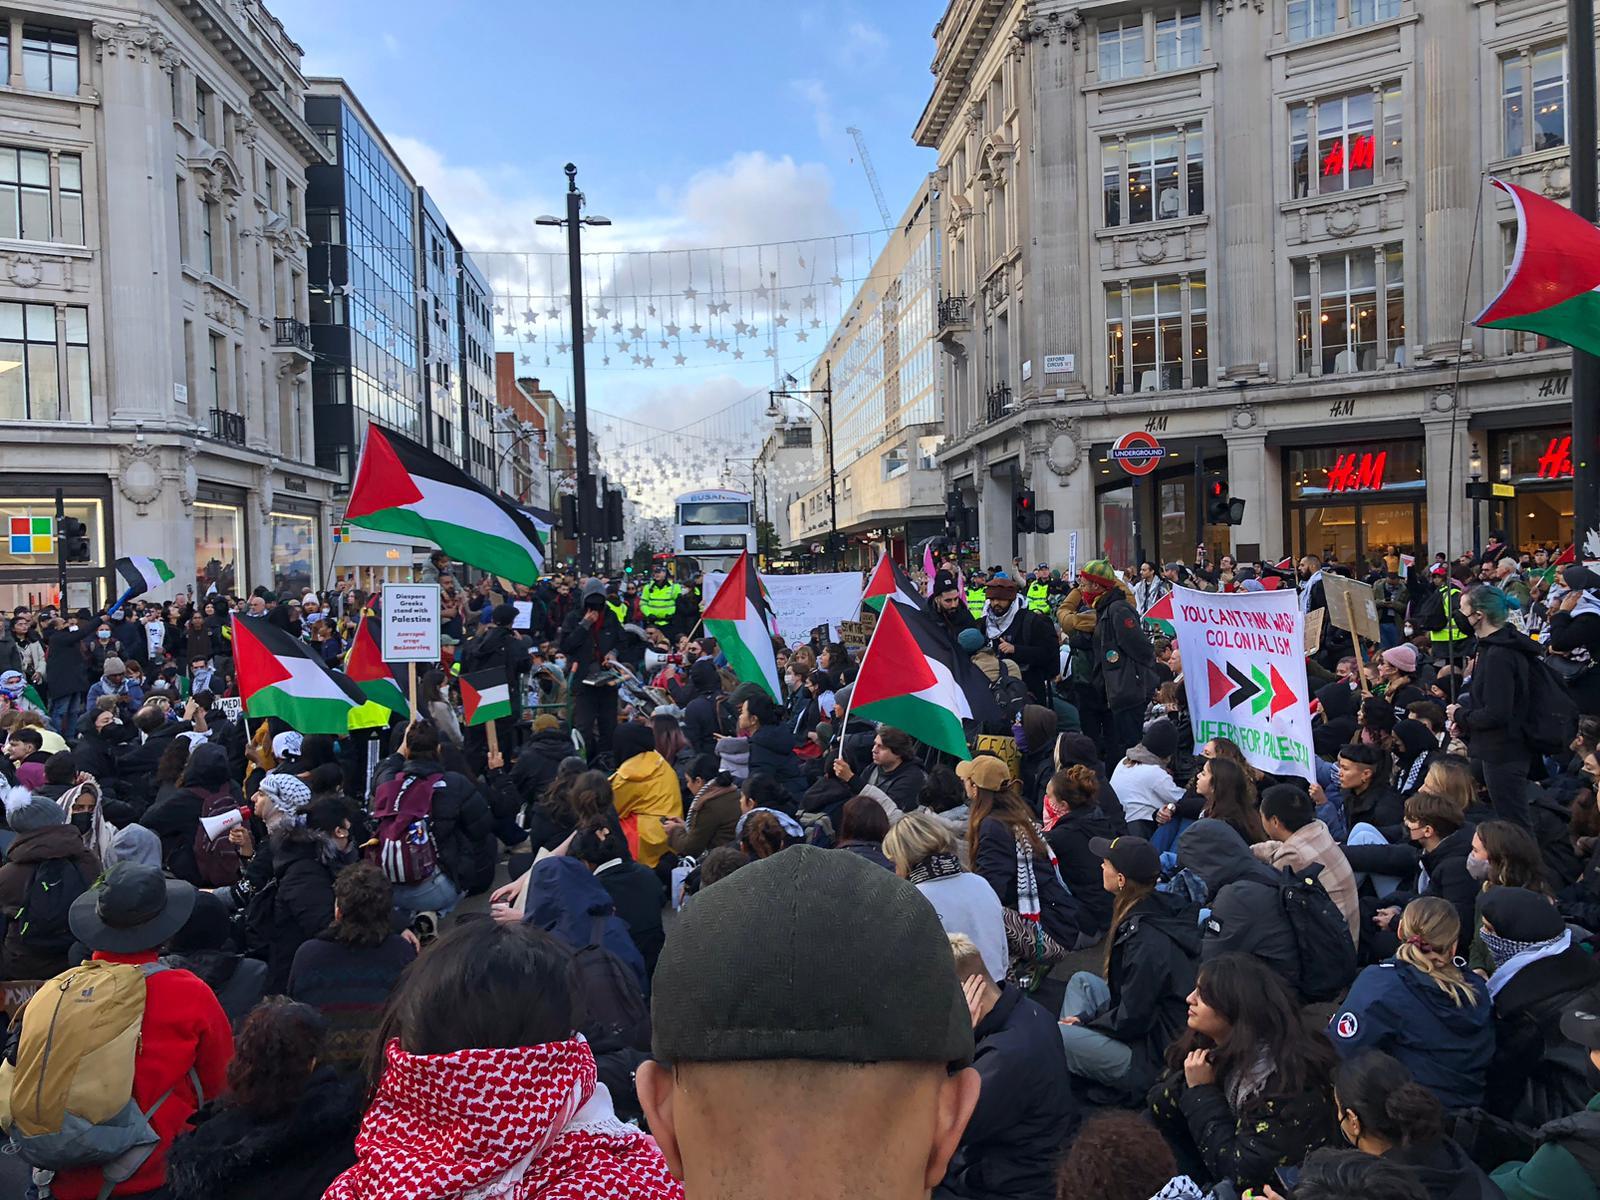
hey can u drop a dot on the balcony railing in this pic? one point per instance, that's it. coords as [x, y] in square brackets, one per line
[227, 426]
[999, 403]
[286, 331]
[953, 311]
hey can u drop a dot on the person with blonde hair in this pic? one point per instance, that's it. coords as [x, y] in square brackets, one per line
[923, 851]
[1422, 1009]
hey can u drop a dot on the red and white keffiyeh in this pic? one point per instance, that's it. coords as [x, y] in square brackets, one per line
[500, 1125]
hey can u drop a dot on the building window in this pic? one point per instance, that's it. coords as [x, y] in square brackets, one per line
[1122, 47]
[71, 230]
[1156, 334]
[1367, 12]
[1346, 153]
[27, 206]
[1177, 37]
[1311, 18]
[1349, 311]
[294, 553]
[218, 533]
[202, 109]
[208, 232]
[1533, 98]
[1153, 176]
[269, 184]
[44, 366]
[50, 60]
[216, 371]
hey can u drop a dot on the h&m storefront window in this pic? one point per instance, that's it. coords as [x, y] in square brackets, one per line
[1539, 463]
[219, 558]
[28, 549]
[1349, 502]
[294, 553]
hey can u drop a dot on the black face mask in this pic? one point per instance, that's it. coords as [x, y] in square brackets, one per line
[83, 822]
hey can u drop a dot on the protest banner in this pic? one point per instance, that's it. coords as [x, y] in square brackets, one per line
[802, 602]
[411, 622]
[1245, 671]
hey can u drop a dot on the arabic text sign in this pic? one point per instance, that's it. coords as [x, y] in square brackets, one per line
[802, 602]
[1245, 671]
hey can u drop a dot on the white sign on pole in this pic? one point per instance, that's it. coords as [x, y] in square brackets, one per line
[411, 622]
[524, 618]
[1072, 559]
[802, 602]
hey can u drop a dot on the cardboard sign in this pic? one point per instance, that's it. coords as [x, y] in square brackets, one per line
[1314, 622]
[1351, 606]
[15, 993]
[858, 633]
[232, 706]
[411, 623]
[1244, 668]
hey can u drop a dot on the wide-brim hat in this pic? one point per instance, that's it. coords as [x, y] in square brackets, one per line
[133, 908]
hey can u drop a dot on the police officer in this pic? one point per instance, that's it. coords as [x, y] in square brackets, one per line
[977, 597]
[658, 600]
[1039, 590]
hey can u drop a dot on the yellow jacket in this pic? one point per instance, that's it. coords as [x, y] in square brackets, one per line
[646, 788]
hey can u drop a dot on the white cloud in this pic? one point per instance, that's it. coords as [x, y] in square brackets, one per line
[814, 93]
[390, 43]
[862, 45]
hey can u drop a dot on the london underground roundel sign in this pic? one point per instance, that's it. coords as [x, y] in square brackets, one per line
[1138, 452]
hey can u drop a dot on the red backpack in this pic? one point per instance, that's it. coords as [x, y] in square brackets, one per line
[216, 859]
[403, 842]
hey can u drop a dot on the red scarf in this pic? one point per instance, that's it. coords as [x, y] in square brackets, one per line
[499, 1125]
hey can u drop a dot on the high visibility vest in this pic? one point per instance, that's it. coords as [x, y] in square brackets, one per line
[977, 599]
[1451, 631]
[1039, 596]
[621, 610]
[658, 602]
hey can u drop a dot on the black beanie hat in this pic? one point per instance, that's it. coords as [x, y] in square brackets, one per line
[631, 738]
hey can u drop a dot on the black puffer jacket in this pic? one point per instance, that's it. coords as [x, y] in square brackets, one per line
[297, 904]
[1080, 866]
[1246, 907]
[1537, 1075]
[463, 827]
[1026, 1110]
[538, 762]
[1495, 722]
[1154, 956]
[231, 1153]
[995, 858]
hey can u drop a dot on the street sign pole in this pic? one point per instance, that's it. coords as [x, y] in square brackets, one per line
[61, 550]
[1585, 367]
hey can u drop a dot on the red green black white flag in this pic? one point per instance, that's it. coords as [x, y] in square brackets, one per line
[740, 618]
[485, 696]
[281, 676]
[888, 580]
[367, 670]
[1553, 287]
[401, 487]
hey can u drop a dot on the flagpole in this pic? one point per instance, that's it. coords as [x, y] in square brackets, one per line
[1585, 366]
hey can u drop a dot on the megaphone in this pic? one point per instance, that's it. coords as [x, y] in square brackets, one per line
[654, 660]
[218, 825]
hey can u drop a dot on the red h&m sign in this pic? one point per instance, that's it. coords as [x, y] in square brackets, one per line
[1556, 461]
[1361, 151]
[1353, 473]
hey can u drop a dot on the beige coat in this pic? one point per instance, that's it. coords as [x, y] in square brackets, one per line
[1314, 844]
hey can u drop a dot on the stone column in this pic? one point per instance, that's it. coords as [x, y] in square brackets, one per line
[1444, 99]
[1449, 512]
[1055, 282]
[1242, 190]
[994, 513]
[138, 221]
[1255, 475]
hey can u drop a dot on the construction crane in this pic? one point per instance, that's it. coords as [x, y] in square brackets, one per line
[872, 175]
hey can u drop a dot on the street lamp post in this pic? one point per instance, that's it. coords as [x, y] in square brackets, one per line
[1475, 469]
[574, 222]
[826, 417]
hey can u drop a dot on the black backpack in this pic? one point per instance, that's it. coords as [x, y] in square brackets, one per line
[1427, 612]
[1550, 720]
[1327, 952]
[614, 1016]
[42, 920]
[1009, 692]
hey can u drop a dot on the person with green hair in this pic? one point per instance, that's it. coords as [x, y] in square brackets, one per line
[1493, 717]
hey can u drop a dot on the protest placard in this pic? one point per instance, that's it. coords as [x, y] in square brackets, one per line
[1351, 606]
[802, 602]
[411, 623]
[1244, 669]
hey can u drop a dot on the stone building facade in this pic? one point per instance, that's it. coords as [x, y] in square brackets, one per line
[154, 355]
[1251, 229]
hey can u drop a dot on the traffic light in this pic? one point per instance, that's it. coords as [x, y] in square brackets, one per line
[613, 515]
[1221, 508]
[569, 515]
[952, 511]
[1025, 516]
[74, 535]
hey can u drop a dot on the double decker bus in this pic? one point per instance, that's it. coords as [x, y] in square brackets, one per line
[710, 528]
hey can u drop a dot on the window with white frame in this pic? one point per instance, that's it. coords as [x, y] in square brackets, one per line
[1369, 12]
[1122, 46]
[1152, 175]
[1311, 18]
[1156, 334]
[1177, 37]
[1337, 143]
[50, 60]
[1533, 99]
[35, 207]
[1349, 311]
[44, 362]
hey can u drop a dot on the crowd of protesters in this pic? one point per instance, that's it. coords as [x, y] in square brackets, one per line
[671, 935]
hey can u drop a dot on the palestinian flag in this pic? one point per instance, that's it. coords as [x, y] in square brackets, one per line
[485, 696]
[740, 618]
[1160, 617]
[1553, 287]
[912, 680]
[402, 488]
[367, 670]
[143, 574]
[889, 580]
[281, 676]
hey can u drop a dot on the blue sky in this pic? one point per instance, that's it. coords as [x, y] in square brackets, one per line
[692, 124]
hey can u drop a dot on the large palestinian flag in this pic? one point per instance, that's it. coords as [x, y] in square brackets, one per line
[913, 680]
[485, 696]
[889, 580]
[1553, 287]
[367, 670]
[280, 676]
[740, 618]
[143, 574]
[402, 488]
